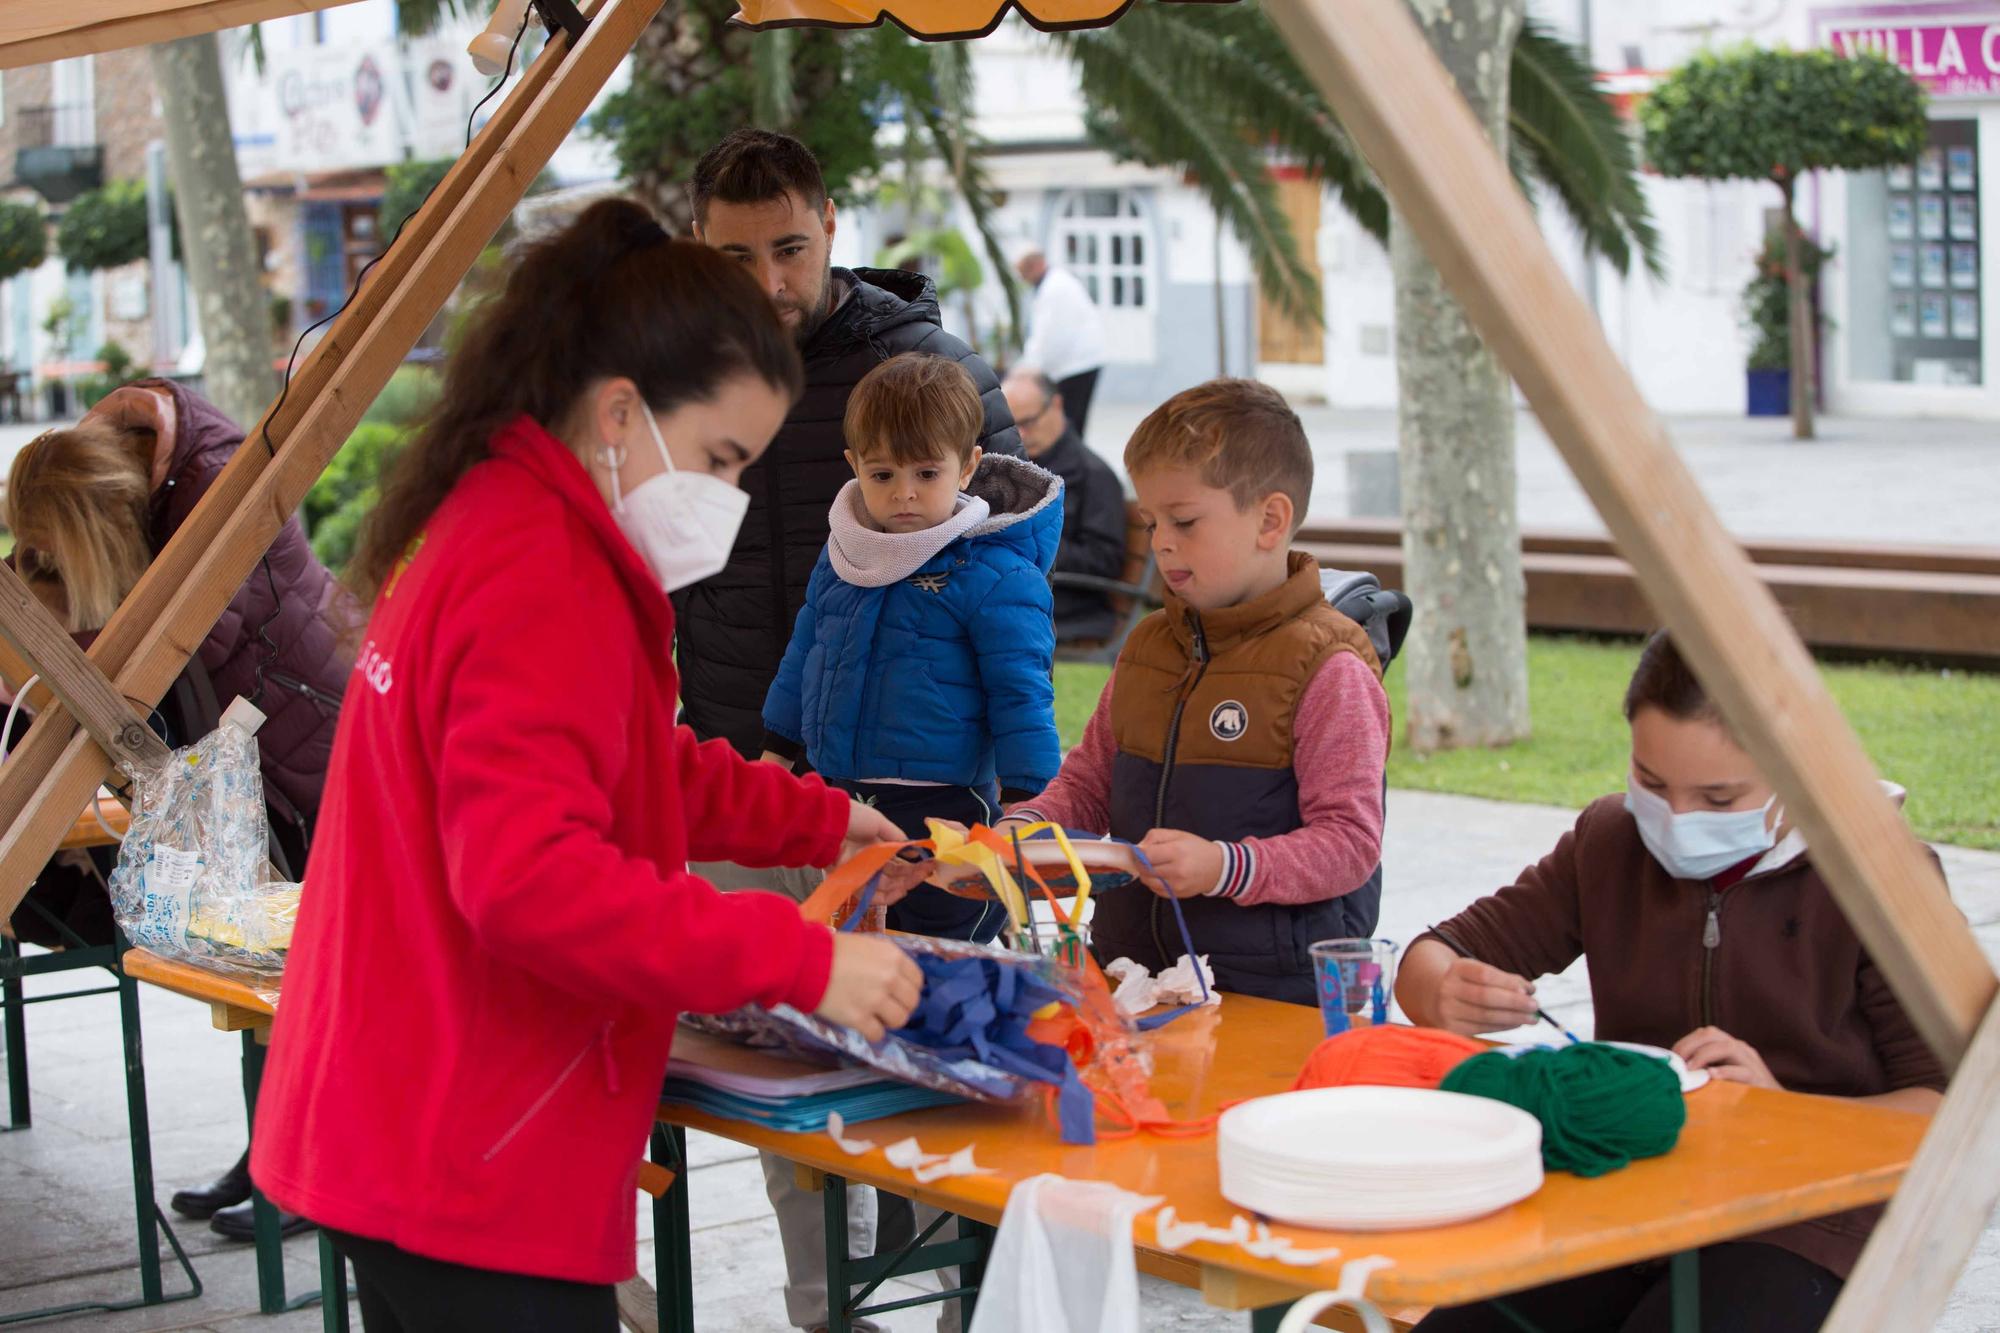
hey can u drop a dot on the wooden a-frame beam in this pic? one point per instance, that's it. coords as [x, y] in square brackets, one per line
[1450, 188]
[35, 32]
[166, 616]
[31, 777]
[74, 679]
[1916, 1253]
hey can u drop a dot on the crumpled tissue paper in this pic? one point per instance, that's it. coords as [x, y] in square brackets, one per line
[1138, 990]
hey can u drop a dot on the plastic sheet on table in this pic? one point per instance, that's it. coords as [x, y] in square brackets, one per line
[193, 876]
[787, 1028]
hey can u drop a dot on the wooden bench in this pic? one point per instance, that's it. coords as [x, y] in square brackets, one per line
[1895, 601]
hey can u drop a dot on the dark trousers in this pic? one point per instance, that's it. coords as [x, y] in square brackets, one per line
[930, 910]
[402, 1292]
[1746, 1287]
[1076, 392]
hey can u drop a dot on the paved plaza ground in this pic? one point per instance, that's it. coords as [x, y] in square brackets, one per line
[1862, 480]
[67, 1187]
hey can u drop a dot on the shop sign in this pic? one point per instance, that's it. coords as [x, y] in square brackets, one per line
[1950, 59]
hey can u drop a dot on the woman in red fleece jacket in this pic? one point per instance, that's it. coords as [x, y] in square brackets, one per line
[499, 927]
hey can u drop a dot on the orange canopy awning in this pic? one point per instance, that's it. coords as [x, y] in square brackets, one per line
[933, 20]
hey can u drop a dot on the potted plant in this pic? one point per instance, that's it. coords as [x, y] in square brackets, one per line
[1767, 318]
[62, 323]
[1756, 113]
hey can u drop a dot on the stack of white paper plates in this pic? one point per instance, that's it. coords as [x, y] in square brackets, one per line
[1377, 1159]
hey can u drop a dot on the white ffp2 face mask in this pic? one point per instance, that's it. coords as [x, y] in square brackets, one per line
[682, 524]
[1700, 844]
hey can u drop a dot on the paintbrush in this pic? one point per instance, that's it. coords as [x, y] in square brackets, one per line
[1540, 1012]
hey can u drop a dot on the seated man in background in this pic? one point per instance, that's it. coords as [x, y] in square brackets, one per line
[1093, 531]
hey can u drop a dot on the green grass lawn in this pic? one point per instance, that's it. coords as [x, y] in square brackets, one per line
[1936, 733]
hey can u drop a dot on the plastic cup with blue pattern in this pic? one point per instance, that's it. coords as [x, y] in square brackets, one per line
[1354, 979]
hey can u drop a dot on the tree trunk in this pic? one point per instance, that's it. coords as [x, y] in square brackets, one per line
[216, 243]
[1799, 301]
[673, 59]
[1466, 661]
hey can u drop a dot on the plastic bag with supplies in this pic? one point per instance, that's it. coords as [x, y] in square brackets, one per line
[1062, 1261]
[193, 876]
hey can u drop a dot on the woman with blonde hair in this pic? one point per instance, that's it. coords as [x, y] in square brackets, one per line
[90, 505]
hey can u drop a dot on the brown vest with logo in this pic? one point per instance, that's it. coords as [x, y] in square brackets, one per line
[1202, 717]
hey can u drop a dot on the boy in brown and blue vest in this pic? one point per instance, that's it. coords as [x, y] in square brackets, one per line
[1242, 739]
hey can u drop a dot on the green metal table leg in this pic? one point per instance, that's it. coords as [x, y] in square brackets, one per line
[673, 1260]
[1267, 1319]
[270, 1244]
[973, 1275]
[1685, 1277]
[19, 1114]
[144, 1209]
[332, 1286]
[839, 1290]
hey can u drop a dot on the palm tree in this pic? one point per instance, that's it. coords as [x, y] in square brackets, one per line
[695, 77]
[1213, 90]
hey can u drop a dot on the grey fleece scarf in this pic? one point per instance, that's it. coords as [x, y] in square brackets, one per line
[867, 557]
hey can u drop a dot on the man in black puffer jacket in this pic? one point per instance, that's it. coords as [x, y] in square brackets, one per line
[759, 196]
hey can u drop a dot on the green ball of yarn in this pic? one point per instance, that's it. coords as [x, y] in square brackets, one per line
[1600, 1106]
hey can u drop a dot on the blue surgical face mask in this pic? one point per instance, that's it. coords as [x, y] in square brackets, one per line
[1700, 844]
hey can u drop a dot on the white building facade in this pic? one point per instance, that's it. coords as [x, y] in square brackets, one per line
[1905, 296]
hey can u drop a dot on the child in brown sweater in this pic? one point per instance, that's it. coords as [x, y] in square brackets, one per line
[1708, 931]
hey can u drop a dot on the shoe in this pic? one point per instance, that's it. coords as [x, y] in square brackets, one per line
[230, 1188]
[240, 1223]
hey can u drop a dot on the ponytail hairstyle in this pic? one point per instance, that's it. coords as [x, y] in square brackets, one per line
[79, 503]
[607, 296]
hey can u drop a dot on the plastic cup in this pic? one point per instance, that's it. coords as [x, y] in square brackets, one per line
[1354, 979]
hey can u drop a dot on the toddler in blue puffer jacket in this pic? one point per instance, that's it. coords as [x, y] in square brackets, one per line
[918, 675]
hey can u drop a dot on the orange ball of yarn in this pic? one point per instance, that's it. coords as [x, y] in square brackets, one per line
[1388, 1057]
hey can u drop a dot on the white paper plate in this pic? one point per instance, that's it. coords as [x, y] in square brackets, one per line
[1690, 1078]
[1367, 1158]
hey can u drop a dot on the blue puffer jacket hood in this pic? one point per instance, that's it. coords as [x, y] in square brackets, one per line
[925, 656]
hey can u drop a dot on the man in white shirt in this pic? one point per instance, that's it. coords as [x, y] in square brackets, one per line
[1065, 334]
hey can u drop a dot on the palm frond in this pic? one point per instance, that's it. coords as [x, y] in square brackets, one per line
[1163, 116]
[1235, 52]
[421, 18]
[1566, 134]
[1229, 61]
[774, 101]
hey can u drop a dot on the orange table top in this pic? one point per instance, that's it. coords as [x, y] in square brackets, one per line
[87, 832]
[250, 1006]
[1747, 1160]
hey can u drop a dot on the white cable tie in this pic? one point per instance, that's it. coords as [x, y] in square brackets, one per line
[1354, 1275]
[835, 1130]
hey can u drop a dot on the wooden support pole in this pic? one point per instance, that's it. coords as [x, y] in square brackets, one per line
[243, 510]
[119, 731]
[51, 742]
[1377, 72]
[1913, 1259]
[36, 32]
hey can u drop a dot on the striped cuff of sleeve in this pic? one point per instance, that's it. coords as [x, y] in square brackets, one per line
[1028, 813]
[1239, 867]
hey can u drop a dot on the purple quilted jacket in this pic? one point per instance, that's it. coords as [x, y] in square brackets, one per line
[290, 596]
